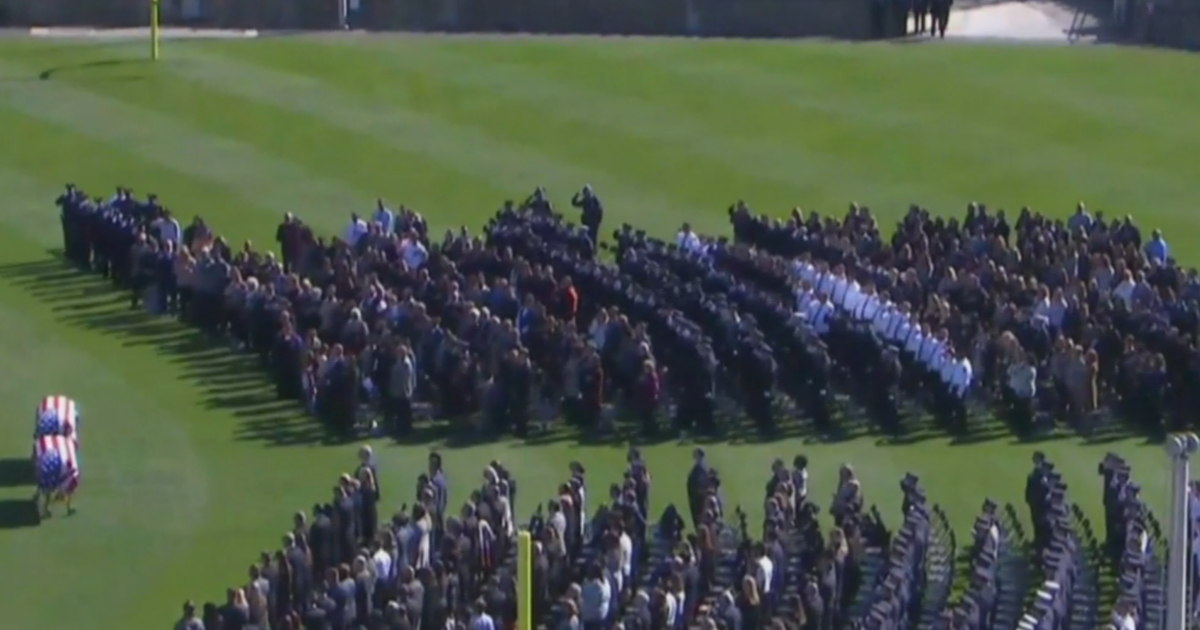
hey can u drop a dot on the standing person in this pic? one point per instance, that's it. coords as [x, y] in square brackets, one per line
[402, 386]
[941, 17]
[167, 228]
[287, 235]
[697, 484]
[384, 217]
[368, 484]
[141, 258]
[441, 495]
[355, 230]
[592, 212]
[190, 620]
[167, 290]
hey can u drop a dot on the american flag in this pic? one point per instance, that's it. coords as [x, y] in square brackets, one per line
[57, 464]
[57, 415]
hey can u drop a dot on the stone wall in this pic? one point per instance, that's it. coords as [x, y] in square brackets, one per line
[725, 18]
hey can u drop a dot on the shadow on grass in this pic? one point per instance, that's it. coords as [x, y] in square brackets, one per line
[50, 73]
[237, 383]
[228, 381]
[18, 514]
[15, 472]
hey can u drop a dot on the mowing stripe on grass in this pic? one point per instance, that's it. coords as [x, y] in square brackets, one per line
[27, 205]
[586, 98]
[270, 182]
[480, 156]
[144, 490]
[49, 155]
[991, 118]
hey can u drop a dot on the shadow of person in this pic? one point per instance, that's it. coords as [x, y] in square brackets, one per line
[15, 472]
[18, 514]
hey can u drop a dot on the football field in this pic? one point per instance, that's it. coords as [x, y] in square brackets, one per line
[190, 465]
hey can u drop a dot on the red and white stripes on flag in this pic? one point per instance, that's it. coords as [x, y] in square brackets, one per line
[56, 464]
[57, 415]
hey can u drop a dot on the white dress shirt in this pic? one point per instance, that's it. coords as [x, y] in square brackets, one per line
[355, 231]
[825, 282]
[961, 381]
[916, 339]
[929, 348]
[819, 313]
[688, 241]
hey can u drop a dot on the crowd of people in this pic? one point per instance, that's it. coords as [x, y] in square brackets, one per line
[1049, 321]
[1052, 321]
[604, 564]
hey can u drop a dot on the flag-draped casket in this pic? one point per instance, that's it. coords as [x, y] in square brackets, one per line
[57, 415]
[56, 464]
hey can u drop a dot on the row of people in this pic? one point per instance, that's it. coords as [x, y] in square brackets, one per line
[1057, 314]
[1068, 586]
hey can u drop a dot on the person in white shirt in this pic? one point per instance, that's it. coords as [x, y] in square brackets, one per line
[355, 230]
[930, 348]
[914, 340]
[825, 279]
[804, 299]
[960, 380]
[901, 326]
[868, 304]
[764, 570]
[819, 313]
[951, 400]
[1123, 616]
[802, 269]
[881, 322]
[841, 287]
[808, 271]
[687, 240]
[383, 565]
[1041, 306]
[413, 252]
[625, 544]
[1057, 312]
[945, 366]
[1124, 290]
[384, 217]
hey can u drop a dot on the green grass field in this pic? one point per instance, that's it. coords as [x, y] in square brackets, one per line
[192, 467]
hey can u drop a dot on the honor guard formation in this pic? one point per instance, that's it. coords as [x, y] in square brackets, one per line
[1052, 325]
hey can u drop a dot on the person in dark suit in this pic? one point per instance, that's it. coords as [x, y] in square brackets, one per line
[235, 614]
[344, 517]
[368, 504]
[592, 214]
[298, 570]
[697, 485]
[321, 538]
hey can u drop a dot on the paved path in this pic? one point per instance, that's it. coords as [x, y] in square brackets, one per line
[1044, 22]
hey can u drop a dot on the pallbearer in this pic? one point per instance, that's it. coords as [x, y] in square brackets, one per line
[57, 415]
[57, 471]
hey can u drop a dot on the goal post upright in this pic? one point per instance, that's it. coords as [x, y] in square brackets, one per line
[524, 580]
[154, 29]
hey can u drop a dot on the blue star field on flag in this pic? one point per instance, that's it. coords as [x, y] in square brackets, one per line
[50, 470]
